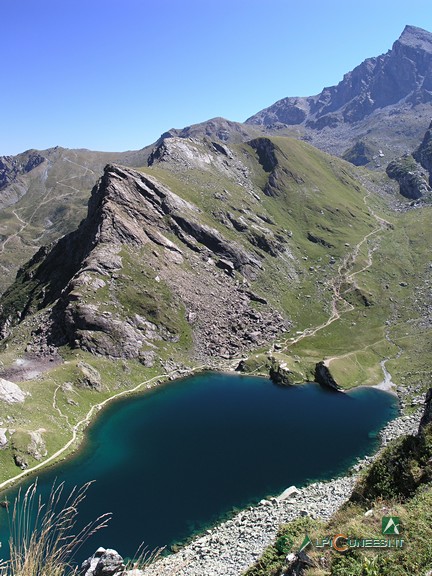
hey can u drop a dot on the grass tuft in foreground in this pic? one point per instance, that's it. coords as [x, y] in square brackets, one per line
[43, 537]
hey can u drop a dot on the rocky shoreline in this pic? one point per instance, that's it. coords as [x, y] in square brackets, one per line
[231, 547]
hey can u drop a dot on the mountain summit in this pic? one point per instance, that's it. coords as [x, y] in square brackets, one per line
[359, 108]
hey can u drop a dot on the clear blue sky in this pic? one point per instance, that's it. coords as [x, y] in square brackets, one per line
[115, 74]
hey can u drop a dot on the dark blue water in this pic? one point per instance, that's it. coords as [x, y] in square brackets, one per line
[175, 460]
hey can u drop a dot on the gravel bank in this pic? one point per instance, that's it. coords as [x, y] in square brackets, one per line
[231, 547]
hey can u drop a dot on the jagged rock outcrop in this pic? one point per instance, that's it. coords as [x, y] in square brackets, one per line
[90, 377]
[104, 562]
[136, 222]
[13, 166]
[280, 373]
[298, 564]
[427, 413]
[403, 72]
[220, 128]
[266, 151]
[44, 195]
[27, 444]
[360, 154]
[324, 377]
[410, 177]
[423, 154]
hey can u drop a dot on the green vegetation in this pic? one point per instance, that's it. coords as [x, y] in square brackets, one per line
[58, 403]
[400, 470]
[401, 167]
[288, 540]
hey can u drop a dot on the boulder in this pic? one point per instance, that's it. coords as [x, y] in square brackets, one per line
[3, 438]
[104, 562]
[413, 182]
[11, 393]
[289, 493]
[298, 564]
[90, 377]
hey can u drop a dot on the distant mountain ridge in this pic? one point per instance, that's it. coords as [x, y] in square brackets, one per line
[383, 92]
[378, 113]
[43, 195]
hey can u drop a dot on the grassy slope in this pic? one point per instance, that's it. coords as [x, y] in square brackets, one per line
[55, 201]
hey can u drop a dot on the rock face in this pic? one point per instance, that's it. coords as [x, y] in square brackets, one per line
[423, 154]
[43, 196]
[413, 182]
[360, 154]
[427, 413]
[280, 374]
[11, 393]
[324, 377]
[298, 564]
[216, 128]
[11, 167]
[90, 377]
[390, 85]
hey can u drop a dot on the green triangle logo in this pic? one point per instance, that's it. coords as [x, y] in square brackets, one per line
[306, 542]
[390, 525]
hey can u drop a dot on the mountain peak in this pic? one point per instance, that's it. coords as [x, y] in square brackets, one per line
[415, 37]
[376, 102]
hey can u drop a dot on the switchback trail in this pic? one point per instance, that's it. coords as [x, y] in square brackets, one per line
[46, 198]
[344, 276]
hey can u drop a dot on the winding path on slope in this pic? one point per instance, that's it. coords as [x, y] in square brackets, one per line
[85, 421]
[343, 277]
[45, 200]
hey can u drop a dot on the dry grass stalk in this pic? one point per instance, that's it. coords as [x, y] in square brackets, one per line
[43, 536]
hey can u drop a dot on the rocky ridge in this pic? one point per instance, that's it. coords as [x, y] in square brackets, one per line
[43, 194]
[413, 172]
[12, 167]
[134, 211]
[374, 115]
[372, 104]
[423, 154]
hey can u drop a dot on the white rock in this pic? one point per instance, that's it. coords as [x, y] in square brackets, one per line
[11, 393]
[288, 493]
[3, 439]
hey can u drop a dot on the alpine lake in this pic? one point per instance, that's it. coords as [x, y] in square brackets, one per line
[177, 459]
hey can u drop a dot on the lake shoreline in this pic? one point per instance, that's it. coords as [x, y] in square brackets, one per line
[267, 515]
[78, 440]
[256, 527]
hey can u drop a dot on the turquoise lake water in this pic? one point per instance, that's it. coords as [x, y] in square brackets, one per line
[175, 460]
